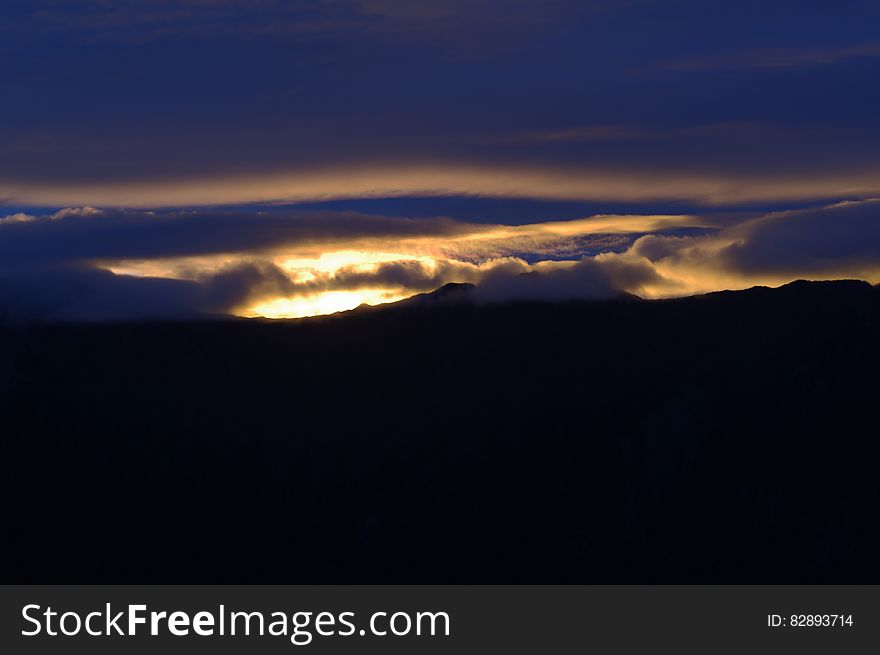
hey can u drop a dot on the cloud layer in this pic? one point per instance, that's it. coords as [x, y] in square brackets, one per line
[90, 264]
[180, 103]
[415, 179]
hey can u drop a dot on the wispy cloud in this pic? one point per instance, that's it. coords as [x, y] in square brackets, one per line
[418, 179]
[770, 58]
[580, 134]
[449, 24]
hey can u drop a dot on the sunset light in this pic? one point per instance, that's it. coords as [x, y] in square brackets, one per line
[537, 294]
[321, 303]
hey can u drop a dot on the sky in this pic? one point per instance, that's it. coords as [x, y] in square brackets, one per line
[171, 158]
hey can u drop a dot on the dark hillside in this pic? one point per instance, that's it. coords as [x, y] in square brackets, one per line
[731, 437]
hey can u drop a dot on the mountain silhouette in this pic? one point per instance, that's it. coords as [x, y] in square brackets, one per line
[724, 438]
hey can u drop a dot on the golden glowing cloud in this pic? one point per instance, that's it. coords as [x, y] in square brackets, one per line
[449, 179]
[330, 262]
[463, 256]
[305, 279]
[327, 302]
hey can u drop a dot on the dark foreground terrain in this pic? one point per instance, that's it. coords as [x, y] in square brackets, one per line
[724, 438]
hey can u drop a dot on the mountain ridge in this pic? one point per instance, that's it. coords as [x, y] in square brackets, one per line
[673, 441]
[457, 292]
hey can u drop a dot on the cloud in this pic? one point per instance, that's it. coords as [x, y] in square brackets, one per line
[585, 279]
[22, 217]
[91, 235]
[73, 235]
[414, 179]
[828, 240]
[835, 241]
[241, 101]
[587, 133]
[241, 288]
[90, 264]
[79, 293]
[449, 24]
[18, 217]
[771, 58]
[94, 264]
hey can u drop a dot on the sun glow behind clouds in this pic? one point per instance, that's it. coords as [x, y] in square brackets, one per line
[299, 265]
[328, 302]
[312, 278]
[305, 270]
[330, 262]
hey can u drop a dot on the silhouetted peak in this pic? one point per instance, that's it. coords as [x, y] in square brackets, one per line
[820, 286]
[451, 292]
